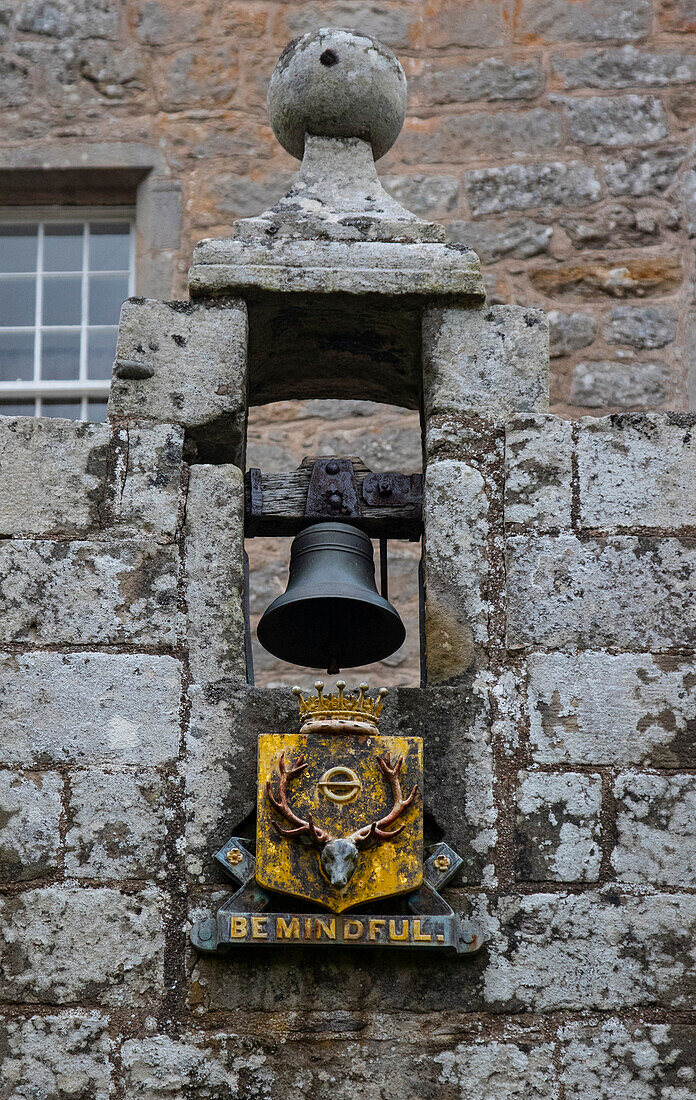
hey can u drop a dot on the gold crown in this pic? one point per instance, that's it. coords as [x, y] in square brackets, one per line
[340, 707]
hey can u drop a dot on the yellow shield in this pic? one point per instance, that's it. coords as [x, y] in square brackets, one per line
[344, 787]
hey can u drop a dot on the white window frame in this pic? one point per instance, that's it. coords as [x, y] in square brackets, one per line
[81, 388]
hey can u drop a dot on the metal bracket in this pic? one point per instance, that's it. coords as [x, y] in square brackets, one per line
[392, 490]
[333, 490]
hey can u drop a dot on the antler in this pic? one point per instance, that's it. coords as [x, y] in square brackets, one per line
[377, 832]
[317, 837]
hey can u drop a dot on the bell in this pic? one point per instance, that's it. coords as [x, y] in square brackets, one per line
[331, 615]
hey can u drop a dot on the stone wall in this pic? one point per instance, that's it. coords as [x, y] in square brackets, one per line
[560, 765]
[554, 138]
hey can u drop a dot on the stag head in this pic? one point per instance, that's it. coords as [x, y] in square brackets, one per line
[338, 855]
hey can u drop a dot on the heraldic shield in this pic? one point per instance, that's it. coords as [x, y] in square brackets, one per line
[340, 816]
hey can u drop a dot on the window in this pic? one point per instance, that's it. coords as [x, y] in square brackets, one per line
[63, 278]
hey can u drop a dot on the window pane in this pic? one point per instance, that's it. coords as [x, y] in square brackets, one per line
[106, 295]
[16, 408]
[109, 246]
[63, 247]
[60, 356]
[68, 409]
[96, 411]
[101, 349]
[16, 356]
[62, 300]
[17, 301]
[18, 247]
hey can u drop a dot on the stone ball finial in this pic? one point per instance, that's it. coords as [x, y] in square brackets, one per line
[336, 83]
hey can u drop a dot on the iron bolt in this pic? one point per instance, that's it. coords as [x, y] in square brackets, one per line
[335, 499]
[332, 467]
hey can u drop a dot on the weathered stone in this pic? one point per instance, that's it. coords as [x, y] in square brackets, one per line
[63, 943]
[613, 709]
[626, 67]
[183, 363]
[66, 1057]
[435, 141]
[117, 826]
[80, 19]
[215, 573]
[623, 278]
[568, 332]
[602, 950]
[598, 384]
[89, 708]
[191, 77]
[646, 172]
[392, 25]
[611, 1057]
[636, 593]
[617, 226]
[688, 190]
[625, 120]
[455, 514]
[479, 25]
[452, 81]
[148, 478]
[538, 472]
[82, 592]
[585, 21]
[655, 829]
[637, 471]
[493, 1067]
[557, 828]
[491, 362]
[427, 196]
[492, 240]
[160, 1066]
[521, 186]
[30, 809]
[337, 84]
[678, 16]
[651, 327]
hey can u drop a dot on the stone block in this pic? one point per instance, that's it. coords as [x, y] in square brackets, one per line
[626, 67]
[53, 475]
[391, 24]
[65, 1057]
[538, 472]
[648, 327]
[624, 120]
[608, 1058]
[557, 827]
[592, 278]
[498, 1069]
[599, 950]
[65, 943]
[184, 363]
[619, 226]
[655, 829]
[148, 479]
[456, 568]
[617, 383]
[437, 141]
[491, 362]
[116, 824]
[645, 172]
[89, 708]
[521, 186]
[446, 81]
[493, 240]
[426, 196]
[480, 25]
[568, 332]
[215, 573]
[30, 809]
[585, 21]
[637, 471]
[87, 592]
[612, 709]
[678, 16]
[627, 592]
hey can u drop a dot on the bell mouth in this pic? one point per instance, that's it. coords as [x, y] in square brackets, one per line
[321, 628]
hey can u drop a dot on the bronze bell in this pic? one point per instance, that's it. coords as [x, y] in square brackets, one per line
[331, 615]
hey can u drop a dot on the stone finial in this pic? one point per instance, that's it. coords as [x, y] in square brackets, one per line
[337, 84]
